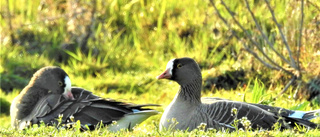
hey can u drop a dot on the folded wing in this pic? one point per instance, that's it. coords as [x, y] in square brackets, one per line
[88, 108]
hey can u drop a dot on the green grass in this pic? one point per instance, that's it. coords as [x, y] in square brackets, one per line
[132, 41]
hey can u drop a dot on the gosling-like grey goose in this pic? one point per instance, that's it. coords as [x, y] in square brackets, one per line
[189, 110]
[49, 95]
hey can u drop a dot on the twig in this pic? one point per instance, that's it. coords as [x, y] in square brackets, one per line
[314, 5]
[273, 64]
[244, 45]
[287, 86]
[292, 64]
[83, 44]
[299, 41]
[254, 42]
[10, 25]
[263, 34]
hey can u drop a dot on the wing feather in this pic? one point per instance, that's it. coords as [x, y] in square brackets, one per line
[223, 113]
[88, 108]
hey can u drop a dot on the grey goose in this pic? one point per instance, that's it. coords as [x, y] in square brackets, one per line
[188, 110]
[49, 95]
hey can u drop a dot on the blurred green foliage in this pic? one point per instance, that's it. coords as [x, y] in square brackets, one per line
[116, 48]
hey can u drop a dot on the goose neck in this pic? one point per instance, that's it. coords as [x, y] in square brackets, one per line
[191, 92]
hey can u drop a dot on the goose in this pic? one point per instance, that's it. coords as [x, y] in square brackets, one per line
[188, 110]
[49, 98]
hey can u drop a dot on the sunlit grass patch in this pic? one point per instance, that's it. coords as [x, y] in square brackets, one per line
[130, 43]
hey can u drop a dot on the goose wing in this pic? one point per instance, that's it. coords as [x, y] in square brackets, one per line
[88, 108]
[226, 111]
[281, 112]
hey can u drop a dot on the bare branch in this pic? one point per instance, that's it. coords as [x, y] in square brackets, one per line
[254, 42]
[287, 86]
[314, 5]
[299, 40]
[273, 64]
[263, 34]
[292, 64]
[10, 25]
[255, 54]
[89, 28]
[244, 45]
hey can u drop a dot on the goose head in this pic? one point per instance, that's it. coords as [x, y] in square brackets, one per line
[182, 70]
[53, 79]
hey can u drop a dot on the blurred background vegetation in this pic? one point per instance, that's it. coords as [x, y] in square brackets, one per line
[116, 48]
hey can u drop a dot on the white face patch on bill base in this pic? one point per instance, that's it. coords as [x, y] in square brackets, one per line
[167, 74]
[170, 66]
[67, 81]
[67, 90]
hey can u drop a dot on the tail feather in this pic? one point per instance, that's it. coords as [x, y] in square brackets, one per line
[303, 122]
[307, 115]
[311, 114]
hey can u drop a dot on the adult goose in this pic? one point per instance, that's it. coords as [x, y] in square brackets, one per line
[188, 110]
[49, 95]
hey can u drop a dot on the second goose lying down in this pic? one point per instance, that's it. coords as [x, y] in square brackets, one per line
[190, 110]
[49, 95]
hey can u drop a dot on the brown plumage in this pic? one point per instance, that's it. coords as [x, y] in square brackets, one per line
[49, 95]
[190, 110]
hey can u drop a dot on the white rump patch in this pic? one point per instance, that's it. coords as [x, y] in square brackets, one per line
[130, 120]
[170, 66]
[67, 81]
[297, 114]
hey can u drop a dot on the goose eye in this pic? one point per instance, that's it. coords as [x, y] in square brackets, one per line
[179, 66]
[60, 83]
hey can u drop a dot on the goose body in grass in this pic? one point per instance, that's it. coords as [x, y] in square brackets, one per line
[49, 95]
[188, 110]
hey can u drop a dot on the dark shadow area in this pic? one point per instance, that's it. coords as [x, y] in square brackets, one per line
[4, 107]
[229, 80]
[126, 87]
[312, 90]
[13, 81]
